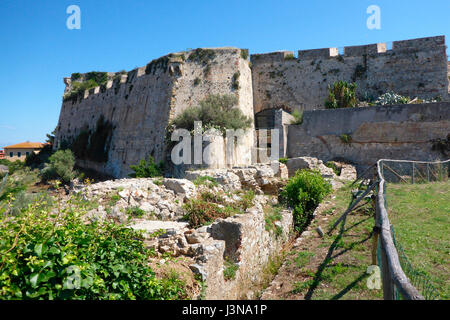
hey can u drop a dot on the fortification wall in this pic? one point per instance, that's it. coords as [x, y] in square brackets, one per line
[415, 68]
[139, 105]
[394, 132]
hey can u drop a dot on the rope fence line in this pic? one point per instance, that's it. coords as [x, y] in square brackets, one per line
[400, 280]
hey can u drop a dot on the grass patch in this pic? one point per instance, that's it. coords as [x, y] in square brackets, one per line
[420, 216]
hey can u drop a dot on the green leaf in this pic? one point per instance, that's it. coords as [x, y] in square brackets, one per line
[34, 279]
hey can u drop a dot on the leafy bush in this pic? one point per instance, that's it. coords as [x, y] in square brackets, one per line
[303, 193]
[13, 166]
[298, 117]
[341, 95]
[229, 270]
[57, 256]
[332, 165]
[200, 212]
[345, 138]
[60, 166]
[215, 111]
[135, 212]
[283, 160]
[391, 98]
[147, 169]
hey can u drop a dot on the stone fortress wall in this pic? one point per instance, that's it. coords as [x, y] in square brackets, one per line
[139, 105]
[415, 68]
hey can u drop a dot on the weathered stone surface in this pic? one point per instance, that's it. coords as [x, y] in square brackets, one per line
[310, 163]
[389, 132]
[181, 186]
[162, 89]
[417, 69]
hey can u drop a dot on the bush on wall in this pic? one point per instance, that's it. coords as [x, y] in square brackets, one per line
[341, 95]
[215, 111]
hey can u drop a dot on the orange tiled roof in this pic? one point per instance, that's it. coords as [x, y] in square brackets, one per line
[26, 145]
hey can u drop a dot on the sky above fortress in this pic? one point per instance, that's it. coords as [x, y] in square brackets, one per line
[38, 49]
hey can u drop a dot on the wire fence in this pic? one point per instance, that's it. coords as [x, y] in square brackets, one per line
[400, 279]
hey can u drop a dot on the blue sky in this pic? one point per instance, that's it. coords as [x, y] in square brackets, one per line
[37, 49]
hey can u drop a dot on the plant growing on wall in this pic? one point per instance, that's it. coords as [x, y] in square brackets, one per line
[341, 95]
[215, 111]
[147, 169]
[391, 98]
[298, 117]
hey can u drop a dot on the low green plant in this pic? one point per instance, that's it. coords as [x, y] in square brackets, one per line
[289, 56]
[215, 111]
[391, 98]
[345, 138]
[332, 165]
[341, 95]
[135, 212]
[229, 270]
[59, 257]
[283, 160]
[303, 193]
[200, 212]
[147, 169]
[298, 117]
[205, 180]
[272, 214]
[60, 167]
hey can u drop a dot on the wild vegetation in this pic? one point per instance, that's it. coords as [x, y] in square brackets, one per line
[54, 254]
[303, 193]
[341, 95]
[215, 111]
[147, 169]
[419, 214]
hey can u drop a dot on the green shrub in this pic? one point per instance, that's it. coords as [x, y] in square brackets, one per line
[341, 95]
[60, 167]
[332, 165]
[215, 111]
[303, 193]
[289, 56]
[48, 256]
[13, 166]
[298, 117]
[229, 270]
[135, 212]
[244, 54]
[205, 180]
[147, 169]
[200, 212]
[345, 138]
[283, 160]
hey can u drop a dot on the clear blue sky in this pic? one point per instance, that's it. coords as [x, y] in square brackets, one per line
[37, 49]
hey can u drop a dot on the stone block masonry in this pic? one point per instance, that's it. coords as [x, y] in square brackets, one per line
[415, 68]
[138, 106]
[365, 135]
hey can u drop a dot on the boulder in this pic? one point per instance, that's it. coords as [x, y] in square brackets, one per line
[310, 163]
[181, 187]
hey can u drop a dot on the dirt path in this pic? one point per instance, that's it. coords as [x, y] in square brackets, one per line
[329, 267]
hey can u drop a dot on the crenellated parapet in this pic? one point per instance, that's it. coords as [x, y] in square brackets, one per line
[414, 68]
